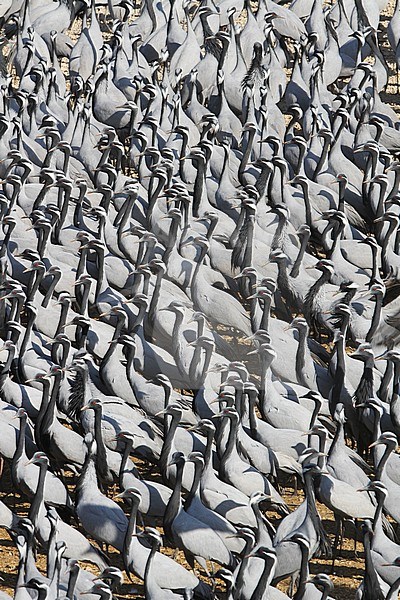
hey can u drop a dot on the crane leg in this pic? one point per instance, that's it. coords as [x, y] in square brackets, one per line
[355, 538]
[338, 535]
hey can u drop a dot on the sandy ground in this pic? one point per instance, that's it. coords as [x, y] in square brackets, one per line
[349, 568]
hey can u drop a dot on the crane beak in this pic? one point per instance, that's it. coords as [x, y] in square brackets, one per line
[374, 444]
[192, 428]
[121, 495]
[104, 314]
[218, 399]
[337, 293]
[161, 412]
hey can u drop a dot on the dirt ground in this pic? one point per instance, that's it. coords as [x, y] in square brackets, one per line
[349, 568]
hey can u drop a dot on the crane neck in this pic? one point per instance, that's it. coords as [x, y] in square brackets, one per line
[41, 196]
[37, 502]
[315, 290]
[172, 240]
[233, 240]
[149, 581]
[42, 411]
[312, 512]
[50, 414]
[248, 253]
[166, 450]
[372, 588]
[337, 440]
[394, 590]
[252, 413]
[301, 356]
[395, 399]
[5, 369]
[266, 312]
[21, 577]
[128, 546]
[335, 251]
[396, 184]
[177, 336]
[341, 192]
[382, 463]
[87, 478]
[130, 370]
[45, 231]
[52, 554]
[300, 256]
[376, 318]
[122, 218]
[304, 573]
[283, 278]
[248, 139]
[82, 297]
[102, 471]
[15, 309]
[37, 280]
[123, 468]
[81, 334]
[383, 392]
[263, 183]
[102, 283]
[6, 240]
[380, 498]
[174, 505]
[222, 432]
[262, 525]
[194, 490]
[51, 288]
[265, 362]
[231, 448]
[208, 455]
[322, 159]
[20, 449]
[200, 203]
[262, 588]
[279, 238]
[194, 367]
[121, 321]
[72, 579]
[386, 267]
[154, 195]
[83, 252]
[208, 351]
[240, 577]
[365, 388]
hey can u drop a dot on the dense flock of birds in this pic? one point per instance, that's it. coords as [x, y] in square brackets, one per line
[199, 268]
